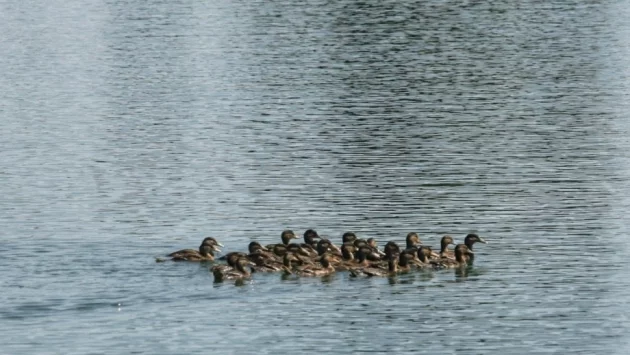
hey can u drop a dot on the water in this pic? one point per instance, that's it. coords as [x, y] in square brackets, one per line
[132, 129]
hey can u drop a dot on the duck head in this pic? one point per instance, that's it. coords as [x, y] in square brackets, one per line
[322, 246]
[208, 250]
[254, 247]
[425, 253]
[348, 237]
[471, 239]
[286, 236]
[392, 250]
[445, 242]
[310, 236]
[211, 240]
[412, 240]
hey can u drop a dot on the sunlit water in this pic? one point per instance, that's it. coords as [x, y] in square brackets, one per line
[132, 129]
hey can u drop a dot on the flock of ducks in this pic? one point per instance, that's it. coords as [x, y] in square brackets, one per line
[318, 256]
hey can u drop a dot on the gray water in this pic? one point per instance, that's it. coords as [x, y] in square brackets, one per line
[130, 129]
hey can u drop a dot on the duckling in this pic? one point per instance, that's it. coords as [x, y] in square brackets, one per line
[347, 259]
[469, 241]
[444, 243]
[254, 248]
[264, 260]
[265, 265]
[238, 272]
[293, 263]
[462, 258]
[325, 269]
[366, 254]
[205, 252]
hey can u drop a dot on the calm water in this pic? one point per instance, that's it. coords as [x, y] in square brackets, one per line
[130, 129]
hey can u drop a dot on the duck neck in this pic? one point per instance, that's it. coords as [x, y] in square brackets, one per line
[206, 251]
[242, 269]
[459, 257]
[392, 266]
[443, 248]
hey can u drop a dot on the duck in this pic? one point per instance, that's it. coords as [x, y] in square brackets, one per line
[366, 254]
[462, 258]
[261, 256]
[444, 243]
[313, 270]
[293, 263]
[238, 272]
[347, 259]
[204, 253]
[429, 259]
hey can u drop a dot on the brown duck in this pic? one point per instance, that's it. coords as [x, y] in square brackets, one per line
[238, 272]
[204, 253]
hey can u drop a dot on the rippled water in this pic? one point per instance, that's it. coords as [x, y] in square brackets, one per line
[131, 129]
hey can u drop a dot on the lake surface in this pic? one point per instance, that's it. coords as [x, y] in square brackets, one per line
[130, 129]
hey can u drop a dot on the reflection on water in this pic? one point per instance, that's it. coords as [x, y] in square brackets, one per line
[139, 128]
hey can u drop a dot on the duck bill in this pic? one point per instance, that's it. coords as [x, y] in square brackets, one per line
[481, 240]
[215, 248]
[221, 245]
